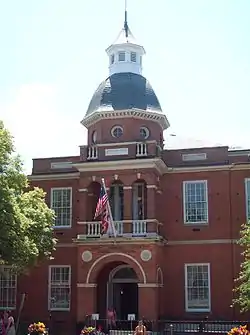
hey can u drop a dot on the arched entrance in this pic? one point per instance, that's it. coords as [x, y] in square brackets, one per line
[118, 285]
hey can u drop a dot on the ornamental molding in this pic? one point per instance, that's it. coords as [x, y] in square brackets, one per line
[154, 116]
[125, 164]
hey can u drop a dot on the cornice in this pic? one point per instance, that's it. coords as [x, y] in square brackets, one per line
[53, 176]
[154, 116]
[228, 167]
[131, 164]
[121, 241]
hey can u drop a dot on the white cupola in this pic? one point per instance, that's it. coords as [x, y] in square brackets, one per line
[125, 54]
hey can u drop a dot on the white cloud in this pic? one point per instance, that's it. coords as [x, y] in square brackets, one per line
[39, 127]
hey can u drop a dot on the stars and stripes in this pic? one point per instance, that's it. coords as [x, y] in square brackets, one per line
[104, 212]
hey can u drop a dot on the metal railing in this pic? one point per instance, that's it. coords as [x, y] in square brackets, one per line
[125, 327]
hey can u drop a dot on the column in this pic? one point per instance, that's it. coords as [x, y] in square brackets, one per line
[151, 202]
[86, 300]
[127, 226]
[148, 301]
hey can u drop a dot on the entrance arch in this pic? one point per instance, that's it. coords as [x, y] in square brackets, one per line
[114, 257]
[117, 288]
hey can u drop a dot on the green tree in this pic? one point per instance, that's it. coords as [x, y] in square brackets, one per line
[26, 222]
[243, 281]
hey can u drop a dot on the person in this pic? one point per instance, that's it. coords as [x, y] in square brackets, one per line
[111, 318]
[8, 324]
[140, 329]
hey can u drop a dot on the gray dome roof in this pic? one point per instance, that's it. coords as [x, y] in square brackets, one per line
[124, 91]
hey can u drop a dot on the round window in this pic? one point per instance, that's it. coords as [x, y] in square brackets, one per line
[117, 131]
[144, 133]
[94, 136]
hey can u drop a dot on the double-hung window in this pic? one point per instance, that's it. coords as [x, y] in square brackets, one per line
[197, 287]
[61, 203]
[195, 202]
[8, 288]
[59, 288]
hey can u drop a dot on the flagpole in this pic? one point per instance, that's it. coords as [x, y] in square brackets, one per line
[110, 212]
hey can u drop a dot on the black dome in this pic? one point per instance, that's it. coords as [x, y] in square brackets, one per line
[124, 91]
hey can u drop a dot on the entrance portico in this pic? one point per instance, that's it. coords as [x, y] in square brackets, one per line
[119, 281]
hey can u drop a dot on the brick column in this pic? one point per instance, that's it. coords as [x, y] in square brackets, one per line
[86, 300]
[148, 301]
[127, 202]
[151, 197]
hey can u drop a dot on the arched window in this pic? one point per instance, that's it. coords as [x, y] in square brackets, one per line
[116, 200]
[139, 205]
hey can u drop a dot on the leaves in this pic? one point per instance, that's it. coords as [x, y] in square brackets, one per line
[243, 281]
[26, 230]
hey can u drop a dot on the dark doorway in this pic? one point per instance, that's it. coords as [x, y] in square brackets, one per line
[129, 300]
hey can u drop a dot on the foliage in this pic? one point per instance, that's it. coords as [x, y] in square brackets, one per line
[26, 230]
[38, 328]
[243, 281]
[88, 331]
[241, 330]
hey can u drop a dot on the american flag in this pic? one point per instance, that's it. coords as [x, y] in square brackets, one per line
[102, 202]
[103, 210]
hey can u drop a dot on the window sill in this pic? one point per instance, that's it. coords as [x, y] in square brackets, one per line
[62, 227]
[59, 310]
[198, 310]
[193, 224]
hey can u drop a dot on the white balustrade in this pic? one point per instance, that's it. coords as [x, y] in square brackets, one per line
[92, 153]
[141, 149]
[139, 228]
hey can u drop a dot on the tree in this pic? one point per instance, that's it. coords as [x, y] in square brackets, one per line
[26, 229]
[243, 281]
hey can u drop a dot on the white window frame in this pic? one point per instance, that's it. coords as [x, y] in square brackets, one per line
[13, 307]
[247, 199]
[50, 285]
[198, 310]
[184, 201]
[120, 56]
[51, 205]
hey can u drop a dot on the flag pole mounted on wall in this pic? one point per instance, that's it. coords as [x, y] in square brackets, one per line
[111, 220]
[103, 211]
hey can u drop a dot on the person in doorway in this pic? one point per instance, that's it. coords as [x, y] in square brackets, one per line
[8, 324]
[111, 318]
[140, 329]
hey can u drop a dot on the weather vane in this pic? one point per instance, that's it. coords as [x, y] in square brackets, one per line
[126, 20]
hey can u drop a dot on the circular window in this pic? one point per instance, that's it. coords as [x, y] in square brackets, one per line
[144, 133]
[94, 136]
[117, 131]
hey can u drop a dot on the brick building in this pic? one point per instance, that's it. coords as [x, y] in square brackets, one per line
[178, 214]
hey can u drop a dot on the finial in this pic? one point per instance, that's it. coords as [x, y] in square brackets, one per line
[126, 20]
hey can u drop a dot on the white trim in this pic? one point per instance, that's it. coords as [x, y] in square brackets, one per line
[199, 156]
[148, 285]
[125, 280]
[159, 277]
[49, 288]
[82, 190]
[120, 254]
[135, 113]
[71, 209]
[201, 310]
[247, 196]
[53, 176]
[184, 183]
[125, 164]
[84, 285]
[118, 144]
[6, 268]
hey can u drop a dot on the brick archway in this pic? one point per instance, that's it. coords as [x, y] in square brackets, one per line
[100, 262]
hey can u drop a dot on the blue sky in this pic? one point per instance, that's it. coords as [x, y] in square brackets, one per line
[53, 58]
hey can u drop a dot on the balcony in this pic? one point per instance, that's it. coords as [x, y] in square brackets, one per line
[125, 229]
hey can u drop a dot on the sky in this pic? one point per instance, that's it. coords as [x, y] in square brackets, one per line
[53, 58]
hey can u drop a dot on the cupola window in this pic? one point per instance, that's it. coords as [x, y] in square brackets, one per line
[144, 133]
[117, 131]
[133, 57]
[121, 56]
[94, 137]
[112, 59]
